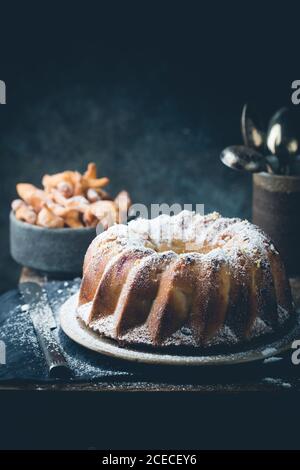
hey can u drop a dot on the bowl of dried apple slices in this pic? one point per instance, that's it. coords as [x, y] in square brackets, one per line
[52, 227]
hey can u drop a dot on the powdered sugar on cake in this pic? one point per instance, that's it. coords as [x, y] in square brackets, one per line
[200, 261]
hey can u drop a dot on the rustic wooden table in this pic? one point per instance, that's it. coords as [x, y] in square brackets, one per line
[251, 385]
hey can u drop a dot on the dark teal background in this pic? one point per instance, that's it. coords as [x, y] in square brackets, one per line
[152, 91]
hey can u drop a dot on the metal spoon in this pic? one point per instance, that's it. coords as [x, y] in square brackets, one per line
[240, 157]
[283, 137]
[252, 128]
[272, 164]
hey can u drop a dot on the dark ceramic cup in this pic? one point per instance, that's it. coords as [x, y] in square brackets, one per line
[58, 252]
[276, 209]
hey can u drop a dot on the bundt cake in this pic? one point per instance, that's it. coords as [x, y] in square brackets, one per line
[184, 280]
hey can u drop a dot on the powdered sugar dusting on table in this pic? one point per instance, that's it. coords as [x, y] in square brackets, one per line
[24, 358]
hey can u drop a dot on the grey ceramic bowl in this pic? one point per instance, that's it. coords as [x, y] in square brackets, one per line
[59, 251]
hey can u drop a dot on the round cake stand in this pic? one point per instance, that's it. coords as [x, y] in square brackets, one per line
[78, 332]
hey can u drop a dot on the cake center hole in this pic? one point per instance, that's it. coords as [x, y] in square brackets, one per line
[180, 247]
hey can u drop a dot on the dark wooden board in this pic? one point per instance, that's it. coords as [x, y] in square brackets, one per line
[278, 376]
